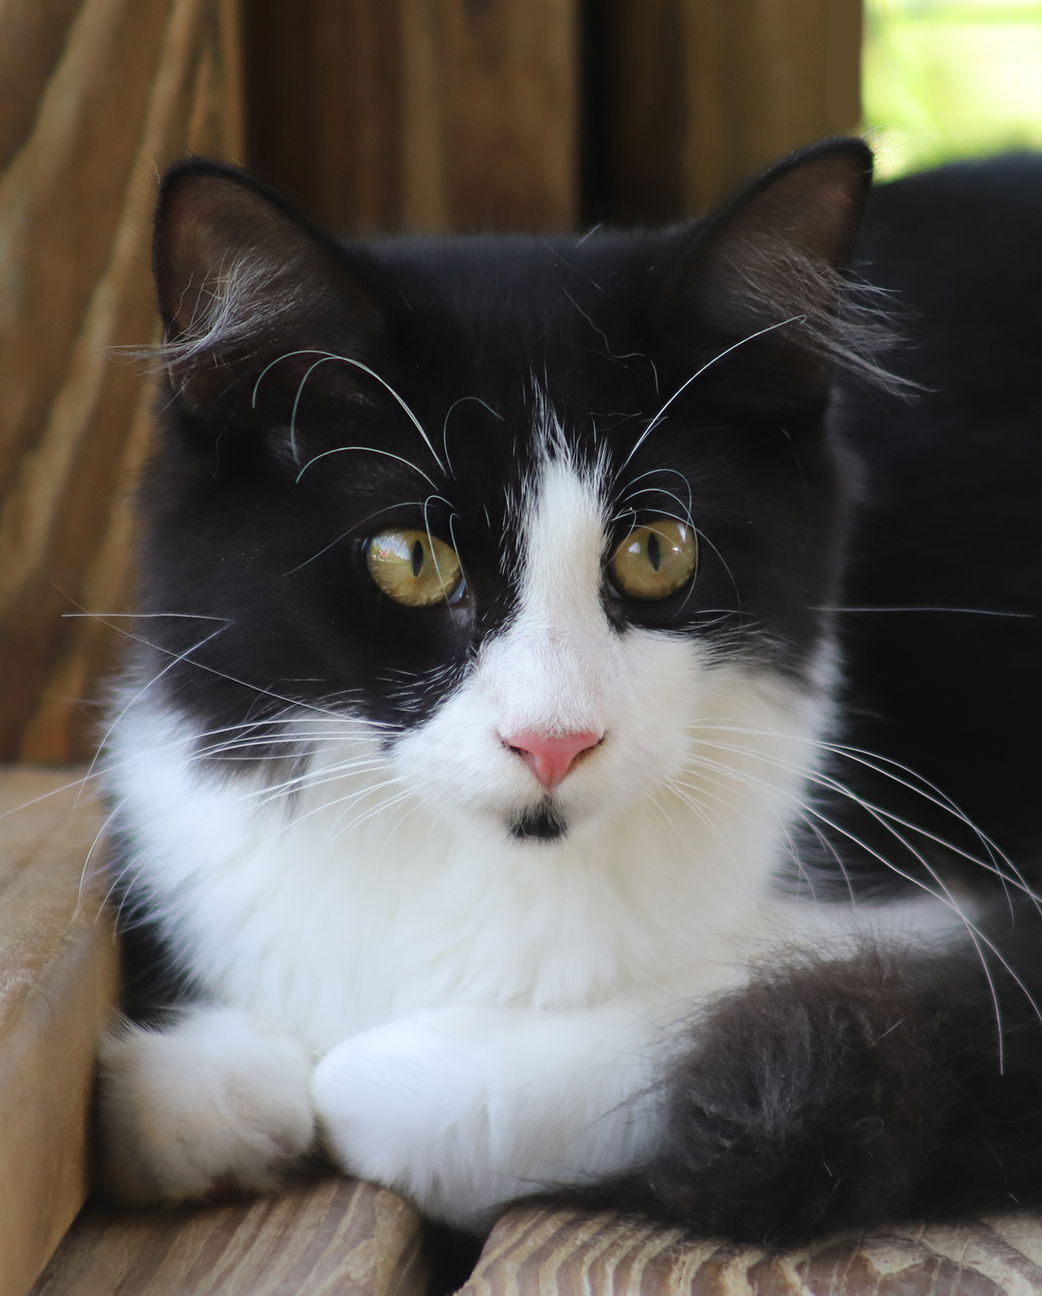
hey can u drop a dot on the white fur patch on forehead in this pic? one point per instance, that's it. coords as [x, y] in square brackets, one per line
[563, 537]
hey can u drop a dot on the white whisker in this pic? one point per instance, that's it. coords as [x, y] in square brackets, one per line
[367, 450]
[656, 419]
[356, 364]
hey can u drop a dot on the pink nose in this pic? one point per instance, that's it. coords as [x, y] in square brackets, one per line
[550, 757]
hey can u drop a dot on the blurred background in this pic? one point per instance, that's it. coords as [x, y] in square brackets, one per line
[434, 115]
[950, 78]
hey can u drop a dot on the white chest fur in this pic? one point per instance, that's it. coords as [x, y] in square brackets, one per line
[348, 903]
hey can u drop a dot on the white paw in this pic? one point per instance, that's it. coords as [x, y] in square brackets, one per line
[463, 1109]
[409, 1105]
[211, 1103]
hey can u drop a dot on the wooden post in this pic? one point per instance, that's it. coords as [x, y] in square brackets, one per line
[105, 93]
[57, 991]
[689, 98]
[420, 114]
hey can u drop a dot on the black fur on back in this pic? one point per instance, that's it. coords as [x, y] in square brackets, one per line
[941, 624]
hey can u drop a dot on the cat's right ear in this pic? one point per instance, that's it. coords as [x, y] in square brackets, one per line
[244, 282]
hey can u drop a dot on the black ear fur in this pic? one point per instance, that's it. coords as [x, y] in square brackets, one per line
[766, 274]
[243, 278]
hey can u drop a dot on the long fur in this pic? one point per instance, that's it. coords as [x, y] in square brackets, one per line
[766, 961]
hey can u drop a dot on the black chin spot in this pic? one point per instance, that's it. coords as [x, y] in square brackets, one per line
[540, 824]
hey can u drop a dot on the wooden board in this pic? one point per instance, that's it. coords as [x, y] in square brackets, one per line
[104, 93]
[564, 1253]
[57, 987]
[334, 1236]
[445, 115]
[690, 100]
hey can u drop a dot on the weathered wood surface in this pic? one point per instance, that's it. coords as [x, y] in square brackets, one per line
[57, 988]
[332, 1236]
[563, 1253]
[98, 95]
[690, 100]
[441, 115]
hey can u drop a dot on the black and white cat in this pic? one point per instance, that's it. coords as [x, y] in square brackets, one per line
[582, 733]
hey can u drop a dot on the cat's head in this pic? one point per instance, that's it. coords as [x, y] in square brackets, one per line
[529, 508]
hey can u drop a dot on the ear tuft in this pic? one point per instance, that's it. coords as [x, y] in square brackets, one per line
[770, 273]
[239, 275]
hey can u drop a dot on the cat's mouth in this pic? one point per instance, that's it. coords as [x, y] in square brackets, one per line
[541, 823]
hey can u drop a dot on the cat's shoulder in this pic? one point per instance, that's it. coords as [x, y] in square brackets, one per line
[1013, 178]
[973, 216]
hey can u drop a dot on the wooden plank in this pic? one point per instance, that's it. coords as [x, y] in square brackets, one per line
[690, 100]
[535, 1252]
[57, 987]
[421, 114]
[80, 158]
[332, 1236]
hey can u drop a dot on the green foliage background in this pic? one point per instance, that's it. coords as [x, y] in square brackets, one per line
[951, 79]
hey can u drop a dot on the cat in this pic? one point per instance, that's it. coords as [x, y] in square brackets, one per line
[580, 734]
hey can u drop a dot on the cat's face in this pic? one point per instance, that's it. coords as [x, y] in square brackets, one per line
[475, 495]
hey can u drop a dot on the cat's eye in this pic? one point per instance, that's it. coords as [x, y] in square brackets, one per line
[413, 567]
[655, 560]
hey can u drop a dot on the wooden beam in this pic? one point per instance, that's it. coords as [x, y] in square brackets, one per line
[57, 990]
[418, 114]
[535, 1252]
[107, 92]
[691, 98]
[333, 1235]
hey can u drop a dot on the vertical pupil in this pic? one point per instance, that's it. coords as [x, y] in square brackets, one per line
[417, 558]
[654, 551]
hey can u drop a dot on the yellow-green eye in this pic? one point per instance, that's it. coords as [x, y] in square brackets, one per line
[413, 567]
[656, 560]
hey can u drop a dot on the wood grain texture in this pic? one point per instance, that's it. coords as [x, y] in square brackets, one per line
[333, 1236]
[563, 1253]
[57, 988]
[420, 114]
[690, 100]
[103, 94]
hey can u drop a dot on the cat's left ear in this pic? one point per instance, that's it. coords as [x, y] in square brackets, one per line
[767, 274]
[243, 280]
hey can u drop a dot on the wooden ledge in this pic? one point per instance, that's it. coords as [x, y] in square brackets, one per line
[333, 1235]
[565, 1253]
[57, 987]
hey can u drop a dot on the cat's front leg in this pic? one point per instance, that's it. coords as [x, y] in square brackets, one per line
[210, 1102]
[465, 1108]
